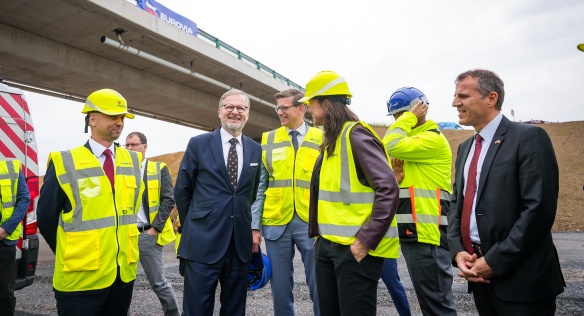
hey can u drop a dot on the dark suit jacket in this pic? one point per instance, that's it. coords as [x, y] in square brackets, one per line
[517, 196]
[210, 211]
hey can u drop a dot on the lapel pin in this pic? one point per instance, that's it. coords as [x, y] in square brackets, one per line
[497, 141]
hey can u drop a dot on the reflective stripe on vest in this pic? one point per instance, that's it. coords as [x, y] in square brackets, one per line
[423, 218]
[394, 142]
[424, 193]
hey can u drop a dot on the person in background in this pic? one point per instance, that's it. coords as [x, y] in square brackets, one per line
[280, 210]
[15, 199]
[87, 212]
[389, 272]
[216, 185]
[424, 198]
[154, 223]
[353, 199]
[504, 205]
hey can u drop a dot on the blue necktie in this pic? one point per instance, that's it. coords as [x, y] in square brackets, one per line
[293, 135]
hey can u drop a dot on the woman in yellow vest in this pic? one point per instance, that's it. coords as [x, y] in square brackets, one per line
[353, 200]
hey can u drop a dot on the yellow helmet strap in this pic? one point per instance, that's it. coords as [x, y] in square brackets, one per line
[87, 121]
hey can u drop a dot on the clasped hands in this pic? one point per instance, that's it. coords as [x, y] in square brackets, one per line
[472, 268]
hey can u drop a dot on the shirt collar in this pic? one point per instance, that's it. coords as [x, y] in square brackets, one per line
[301, 129]
[98, 148]
[226, 137]
[488, 132]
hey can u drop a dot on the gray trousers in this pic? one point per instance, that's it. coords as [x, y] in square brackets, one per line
[281, 254]
[151, 260]
[430, 269]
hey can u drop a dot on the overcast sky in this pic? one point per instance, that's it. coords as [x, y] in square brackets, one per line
[380, 46]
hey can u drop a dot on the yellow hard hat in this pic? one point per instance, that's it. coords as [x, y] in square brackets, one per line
[326, 83]
[107, 101]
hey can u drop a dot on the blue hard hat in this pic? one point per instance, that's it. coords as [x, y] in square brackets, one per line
[260, 271]
[403, 99]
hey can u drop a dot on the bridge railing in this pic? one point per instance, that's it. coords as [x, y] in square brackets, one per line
[243, 57]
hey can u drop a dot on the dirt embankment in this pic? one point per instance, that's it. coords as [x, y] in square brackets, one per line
[569, 152]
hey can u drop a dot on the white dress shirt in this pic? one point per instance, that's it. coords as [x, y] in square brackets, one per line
[487, 133]
[98, 150]
[142, 220]
[302, 130]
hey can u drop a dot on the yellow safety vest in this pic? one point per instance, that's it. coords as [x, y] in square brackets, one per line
[9, 172]
[344, 204]
[153, 177]
[289, 183]
[99, 234]
[425, 191]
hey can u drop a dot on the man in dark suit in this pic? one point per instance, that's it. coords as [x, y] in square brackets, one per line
[504, 205]
[217, 183]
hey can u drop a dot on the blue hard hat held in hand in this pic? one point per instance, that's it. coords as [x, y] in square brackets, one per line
[260, 271]
[403, 99]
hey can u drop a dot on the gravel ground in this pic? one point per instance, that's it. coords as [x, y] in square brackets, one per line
[38, 299]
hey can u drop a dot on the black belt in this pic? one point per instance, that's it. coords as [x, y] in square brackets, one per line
[144, 228]
[478, 250]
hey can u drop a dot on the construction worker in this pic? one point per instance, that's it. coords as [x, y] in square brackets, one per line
[353, 200]
[280, 210]
[154, 222]
[87, 212]
[424, 199]
[14, 201]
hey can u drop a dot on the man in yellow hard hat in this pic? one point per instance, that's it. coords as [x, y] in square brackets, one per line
[87, 213]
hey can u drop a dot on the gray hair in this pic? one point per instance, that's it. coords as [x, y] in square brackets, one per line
[233, 92]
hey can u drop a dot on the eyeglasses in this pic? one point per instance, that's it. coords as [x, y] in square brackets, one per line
[231, 107]
[132, 145]
[284, 109]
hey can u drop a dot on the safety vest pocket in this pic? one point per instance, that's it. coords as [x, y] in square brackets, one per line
[310, 160]
[82, 250]
[273, 203]
[279, 154]
[5, 190]
[90, 187]
[153, 193]
[133, 251]
[129, 193]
